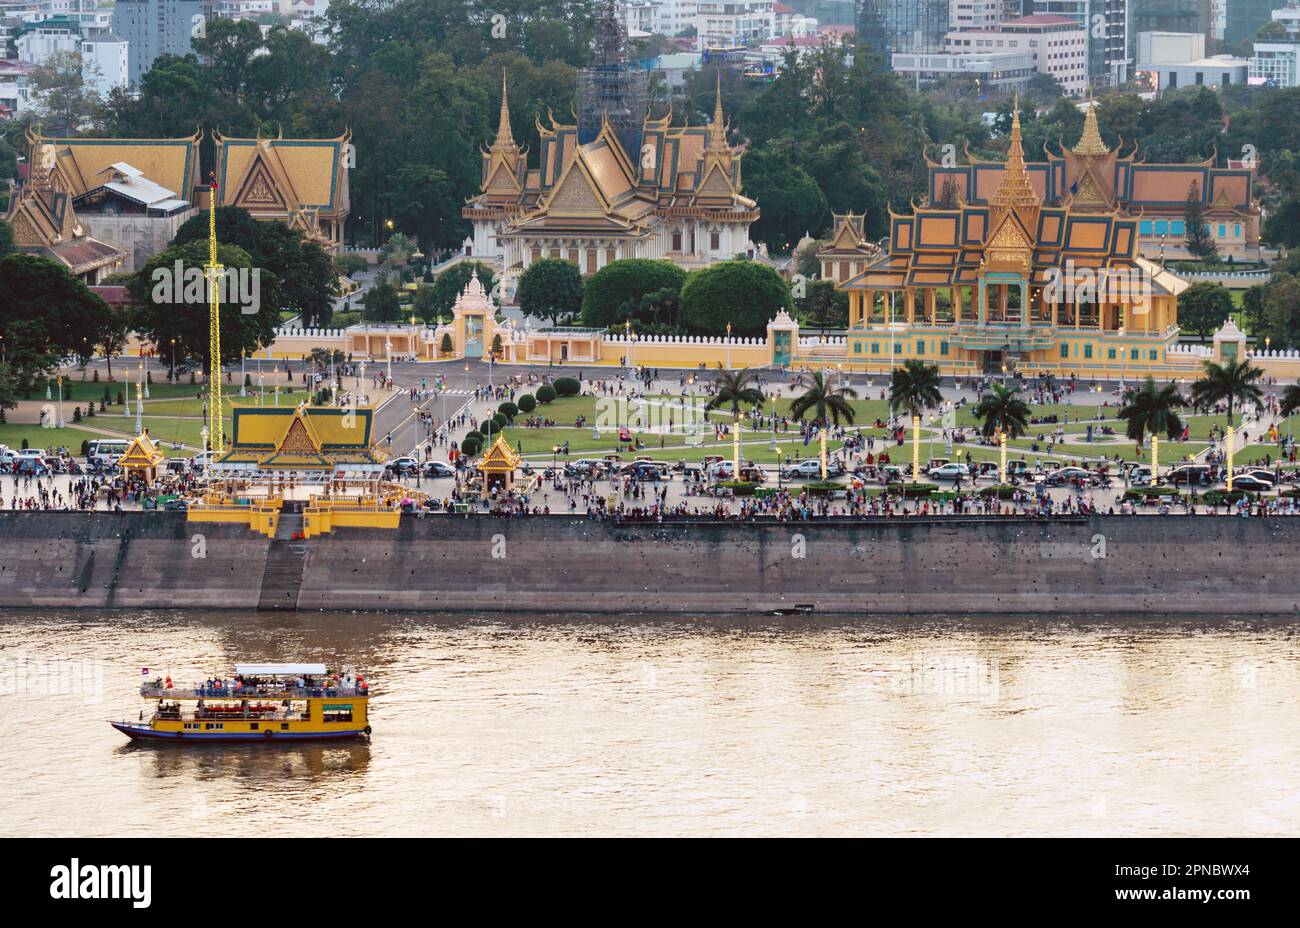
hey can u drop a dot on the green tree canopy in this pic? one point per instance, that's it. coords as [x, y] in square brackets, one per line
[44, 313]
[381, 303]
[308, 281]
[745, 294]
[1152, 410]
[168, 306]
[605, 293]
[1203, 307]
[551, 289]
[790, 199]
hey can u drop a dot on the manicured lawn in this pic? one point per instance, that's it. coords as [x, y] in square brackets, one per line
[537, 445]
[12, 436]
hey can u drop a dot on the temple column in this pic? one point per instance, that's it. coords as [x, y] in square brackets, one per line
[909, 305]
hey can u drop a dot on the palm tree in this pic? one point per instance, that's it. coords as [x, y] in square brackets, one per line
[1152, 409]
[1002, 410]
[1233, 381]
[827, 399]
[1290, 400]
[735, 387]
[914, 387]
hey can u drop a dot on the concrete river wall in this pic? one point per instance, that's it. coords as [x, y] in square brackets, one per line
[1104, 565]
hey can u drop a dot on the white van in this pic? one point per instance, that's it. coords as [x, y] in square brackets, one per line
[106, 450]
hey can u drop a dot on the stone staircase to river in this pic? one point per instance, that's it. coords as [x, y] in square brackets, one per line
[286, 561]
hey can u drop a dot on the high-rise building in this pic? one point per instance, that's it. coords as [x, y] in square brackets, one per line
[1110, 61]
[1244, 18]
[153, 28]
[886, 27]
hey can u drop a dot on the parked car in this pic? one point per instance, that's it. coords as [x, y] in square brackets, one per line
[176, 505]
[1259, 473]
[438, 469]
[1251, 483]
[1189, 475]
[949, 471]
[1069, 475]
[403, 467]
[1140, 476]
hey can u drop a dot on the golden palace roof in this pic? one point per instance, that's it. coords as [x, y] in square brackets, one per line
[305, 438]
[79, 164]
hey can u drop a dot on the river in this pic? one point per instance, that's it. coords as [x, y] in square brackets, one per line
[588, 726]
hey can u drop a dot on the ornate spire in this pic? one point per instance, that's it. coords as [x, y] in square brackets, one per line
[1090, 142]
[718, 128]
[1015, 189]
[505, 140]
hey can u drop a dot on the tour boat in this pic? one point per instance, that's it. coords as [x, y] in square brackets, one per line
[265, 703]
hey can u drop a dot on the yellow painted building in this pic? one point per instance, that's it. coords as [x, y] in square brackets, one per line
[1014, 285]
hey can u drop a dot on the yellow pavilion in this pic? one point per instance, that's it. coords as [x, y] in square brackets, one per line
[141, 458]
[498, 467]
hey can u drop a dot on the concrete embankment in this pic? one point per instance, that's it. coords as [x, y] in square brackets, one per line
[1105, 565]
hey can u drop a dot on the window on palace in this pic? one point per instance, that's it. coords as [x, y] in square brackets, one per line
[1110, 354]
[537, 252]
[1145, 226]
[920, 346]
[1153, 354]
[591, 260]
[857, 347]
[1162, 227]
[610, 256]
[715, 241]
[1134, 354]
[573, 255]
[1087, 351]
[875, 347]
[898, 347]
[1065, 350]
[677, 241]
[1236, 231]
[1223, 230]
[943, 348]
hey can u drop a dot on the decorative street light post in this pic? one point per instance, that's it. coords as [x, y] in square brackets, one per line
[60, 383]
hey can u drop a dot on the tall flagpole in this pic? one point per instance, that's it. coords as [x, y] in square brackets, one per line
[216, 438]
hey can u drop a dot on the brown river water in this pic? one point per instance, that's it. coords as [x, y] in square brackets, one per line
[589, 726]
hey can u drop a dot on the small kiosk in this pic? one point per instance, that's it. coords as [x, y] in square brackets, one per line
[498, 467]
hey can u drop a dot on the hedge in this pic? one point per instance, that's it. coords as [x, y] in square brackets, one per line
[1001, 492]
[822, 489]
[1219, 497]
[1141, 494]
[508, 409]
[918, 489]
[489, 427]
[567, 386]
[470, 445]
[738, 487]
[527, 403]
[475, 435]
[546, 393]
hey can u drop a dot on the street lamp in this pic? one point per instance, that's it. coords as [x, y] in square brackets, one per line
[60, 383]
[172, 375]
[773, 441]
[728, 346]
[85, 357]
[778, 467]
[555, 454]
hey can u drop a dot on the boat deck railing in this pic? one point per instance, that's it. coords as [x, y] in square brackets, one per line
[195, 715]
[262, 691]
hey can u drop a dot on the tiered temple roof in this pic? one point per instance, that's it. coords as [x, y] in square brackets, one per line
[601, 188]
[1012, 230]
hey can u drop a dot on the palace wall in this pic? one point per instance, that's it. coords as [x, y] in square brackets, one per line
[998, 566]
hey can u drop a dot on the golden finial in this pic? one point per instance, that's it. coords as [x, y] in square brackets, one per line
[717, 128]
[505, 140]
[1015, 188]
[1090, 142]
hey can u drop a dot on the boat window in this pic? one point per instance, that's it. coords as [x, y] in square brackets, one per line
[336, 712]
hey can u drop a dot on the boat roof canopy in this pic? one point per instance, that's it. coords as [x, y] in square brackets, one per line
[279, 670]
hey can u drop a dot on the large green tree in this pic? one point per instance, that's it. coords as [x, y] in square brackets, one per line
[1203, 307]
[551, 289]
[168, 303]
[44, 314]
[308, 280]
[745, 294]
[620, 283]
